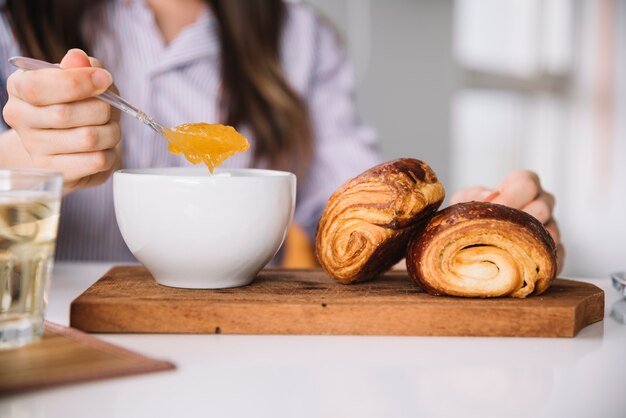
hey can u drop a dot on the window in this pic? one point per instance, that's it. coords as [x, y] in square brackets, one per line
[514, 62]
[541, 86]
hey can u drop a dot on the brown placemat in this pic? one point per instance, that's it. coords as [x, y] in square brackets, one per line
[66, 355]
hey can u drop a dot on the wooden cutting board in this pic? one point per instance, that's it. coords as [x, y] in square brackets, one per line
[127, 299]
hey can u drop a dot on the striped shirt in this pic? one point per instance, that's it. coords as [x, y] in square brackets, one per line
[179, 82]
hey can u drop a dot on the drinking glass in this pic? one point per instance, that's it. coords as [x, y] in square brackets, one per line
[30, 201]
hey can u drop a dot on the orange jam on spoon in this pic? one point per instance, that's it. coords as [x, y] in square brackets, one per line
[205, 142]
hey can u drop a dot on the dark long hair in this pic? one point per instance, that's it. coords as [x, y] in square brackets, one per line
[255, 92]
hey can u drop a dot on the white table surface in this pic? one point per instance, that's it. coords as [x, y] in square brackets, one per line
[335, 376]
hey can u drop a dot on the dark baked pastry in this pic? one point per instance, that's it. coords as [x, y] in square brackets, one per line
[369, 221]
[483, 250]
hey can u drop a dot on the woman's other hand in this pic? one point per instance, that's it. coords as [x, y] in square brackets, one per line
[520, 190]
[61, 125]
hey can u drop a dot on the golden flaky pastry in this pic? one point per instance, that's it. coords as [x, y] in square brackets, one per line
[481, 249]
[369, 220]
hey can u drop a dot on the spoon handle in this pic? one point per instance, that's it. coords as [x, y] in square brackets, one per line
[108, 96]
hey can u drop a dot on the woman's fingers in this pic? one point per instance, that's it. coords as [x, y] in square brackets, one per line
[78, 165]
[58, 116]
[75, 57]
[553, 228]
[51, 86]
[78, 81]
[71, 141]
[61, 125]
[541, 208]
[88, 181]
[476, 193]
[518, 189]
[560, 258]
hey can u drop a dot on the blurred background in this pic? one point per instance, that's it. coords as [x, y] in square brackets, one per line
[478, 88]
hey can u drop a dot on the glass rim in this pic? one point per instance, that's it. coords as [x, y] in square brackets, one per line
[619, 281]
[34, 172]
[619, 276]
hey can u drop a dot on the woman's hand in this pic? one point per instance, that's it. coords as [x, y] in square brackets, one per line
[520, 190]
[61, 125]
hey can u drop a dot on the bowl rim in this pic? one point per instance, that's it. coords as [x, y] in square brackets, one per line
[202, 173]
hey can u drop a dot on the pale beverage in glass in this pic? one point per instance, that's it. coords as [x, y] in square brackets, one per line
[30, 201]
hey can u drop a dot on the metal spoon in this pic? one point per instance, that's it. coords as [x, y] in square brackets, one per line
[108, 96]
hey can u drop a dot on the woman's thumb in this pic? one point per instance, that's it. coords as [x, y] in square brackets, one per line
[75, 58]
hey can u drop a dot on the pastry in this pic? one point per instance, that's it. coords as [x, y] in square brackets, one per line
[479, 249]
[369, 221]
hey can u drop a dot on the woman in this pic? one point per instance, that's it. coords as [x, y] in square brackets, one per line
[274, 70]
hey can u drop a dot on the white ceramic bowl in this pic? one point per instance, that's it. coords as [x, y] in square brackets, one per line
[196, 230]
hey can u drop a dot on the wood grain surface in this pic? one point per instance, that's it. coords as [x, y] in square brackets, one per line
[65, 355]
[127, 299]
